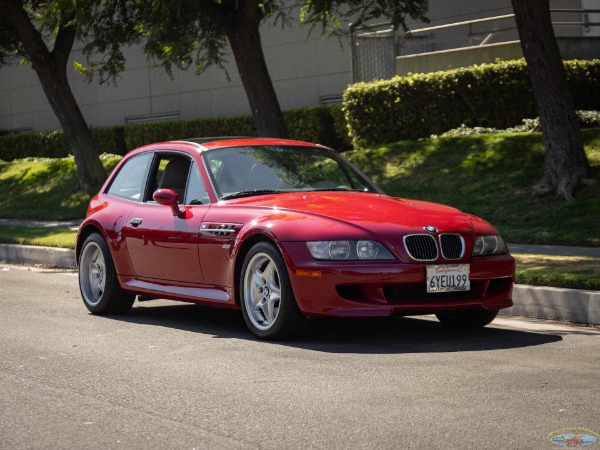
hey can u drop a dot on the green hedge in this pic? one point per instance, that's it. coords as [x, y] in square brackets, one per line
[311, 124]
[491, 95]
[53, 144]
[137, 135]
[314, 124]
[419, 105]
[340, 125]
[109, 139]
[49, 144]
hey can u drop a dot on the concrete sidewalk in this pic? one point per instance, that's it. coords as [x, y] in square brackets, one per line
[558, 250]
[572, 305]
[41, 223]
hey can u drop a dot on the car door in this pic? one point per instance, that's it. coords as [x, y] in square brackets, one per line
[163, 246]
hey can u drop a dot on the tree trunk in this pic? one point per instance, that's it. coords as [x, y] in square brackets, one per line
[566, 166]
[51, 69]
[244, 37]
[54, 81]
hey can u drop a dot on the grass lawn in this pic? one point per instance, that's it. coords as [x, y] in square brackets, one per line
[44, 188]
[46, 237]
[558, 271]
[486, 175]
[490, 176]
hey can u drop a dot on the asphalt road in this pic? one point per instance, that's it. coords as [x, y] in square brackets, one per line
[173, 375]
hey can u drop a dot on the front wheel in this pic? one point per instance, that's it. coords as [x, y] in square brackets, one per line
[98, 281]
[469, 318]
[268, 304]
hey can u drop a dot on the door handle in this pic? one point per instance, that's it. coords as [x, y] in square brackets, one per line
[136, 221]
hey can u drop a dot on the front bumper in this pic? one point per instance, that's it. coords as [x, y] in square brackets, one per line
[385, 288]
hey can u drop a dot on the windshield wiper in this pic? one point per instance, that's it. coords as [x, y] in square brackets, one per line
[338, 189]
[250, 193]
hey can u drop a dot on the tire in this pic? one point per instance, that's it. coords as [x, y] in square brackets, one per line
[98, 281]
[266, 297]
[467, 319]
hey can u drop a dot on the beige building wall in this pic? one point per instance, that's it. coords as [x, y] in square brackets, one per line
[476, 43]
[304, 70]
[452, 59]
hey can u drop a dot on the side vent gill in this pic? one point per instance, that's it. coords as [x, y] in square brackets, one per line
[219, 229]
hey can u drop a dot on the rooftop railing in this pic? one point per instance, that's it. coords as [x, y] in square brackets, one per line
[375, 48]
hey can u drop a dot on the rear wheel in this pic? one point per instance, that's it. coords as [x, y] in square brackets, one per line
[268, 304]
[98, 281]
[468, 318]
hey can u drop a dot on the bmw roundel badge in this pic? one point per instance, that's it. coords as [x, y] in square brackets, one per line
[430, 229]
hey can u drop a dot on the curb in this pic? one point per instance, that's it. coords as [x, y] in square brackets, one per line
[31, 254]
[573, 305]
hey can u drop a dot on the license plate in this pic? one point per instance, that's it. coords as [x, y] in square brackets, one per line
[448, 278]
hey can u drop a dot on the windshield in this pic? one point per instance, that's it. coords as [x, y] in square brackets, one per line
[245, 171]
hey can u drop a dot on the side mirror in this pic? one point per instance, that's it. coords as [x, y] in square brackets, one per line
[168, 197]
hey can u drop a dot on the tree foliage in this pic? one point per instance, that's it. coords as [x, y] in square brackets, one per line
[200, 33]
[185, 33]
[43, 33]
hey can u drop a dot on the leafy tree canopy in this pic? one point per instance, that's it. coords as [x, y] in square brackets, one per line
[43, 32]
[48, 18]
[183, 33]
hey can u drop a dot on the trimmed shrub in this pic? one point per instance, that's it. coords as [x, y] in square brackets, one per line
[137, 135]
[40, 144]
[491, 96]
[338, 113]
[109, 139]
[317, 124]
[312, 124]
[584, 80]
[53, 144]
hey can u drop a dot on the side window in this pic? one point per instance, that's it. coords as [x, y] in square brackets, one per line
[129, 182]
[169, 171]
[196, 192]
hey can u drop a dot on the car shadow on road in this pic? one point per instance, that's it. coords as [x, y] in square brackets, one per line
[393, 335]
[423, 334]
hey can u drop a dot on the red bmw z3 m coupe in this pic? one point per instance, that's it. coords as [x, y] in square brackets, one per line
[283, 230]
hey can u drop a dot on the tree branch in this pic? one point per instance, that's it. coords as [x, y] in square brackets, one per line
[64, 42]
[30, 37]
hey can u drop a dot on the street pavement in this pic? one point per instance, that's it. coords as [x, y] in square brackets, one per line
[580, 306]
[170, 375]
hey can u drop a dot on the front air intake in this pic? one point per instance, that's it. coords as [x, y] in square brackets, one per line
[453, 246]
[421, 247]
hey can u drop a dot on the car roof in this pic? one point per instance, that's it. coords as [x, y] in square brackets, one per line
[203, 144]
[209, 143]
[204, 140]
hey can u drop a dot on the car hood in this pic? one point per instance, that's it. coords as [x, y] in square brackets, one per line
[375, 213]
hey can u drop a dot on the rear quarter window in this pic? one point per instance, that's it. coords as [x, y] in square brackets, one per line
[129, 182]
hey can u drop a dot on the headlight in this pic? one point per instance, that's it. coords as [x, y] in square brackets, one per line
[348, 250]
[489, 245]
